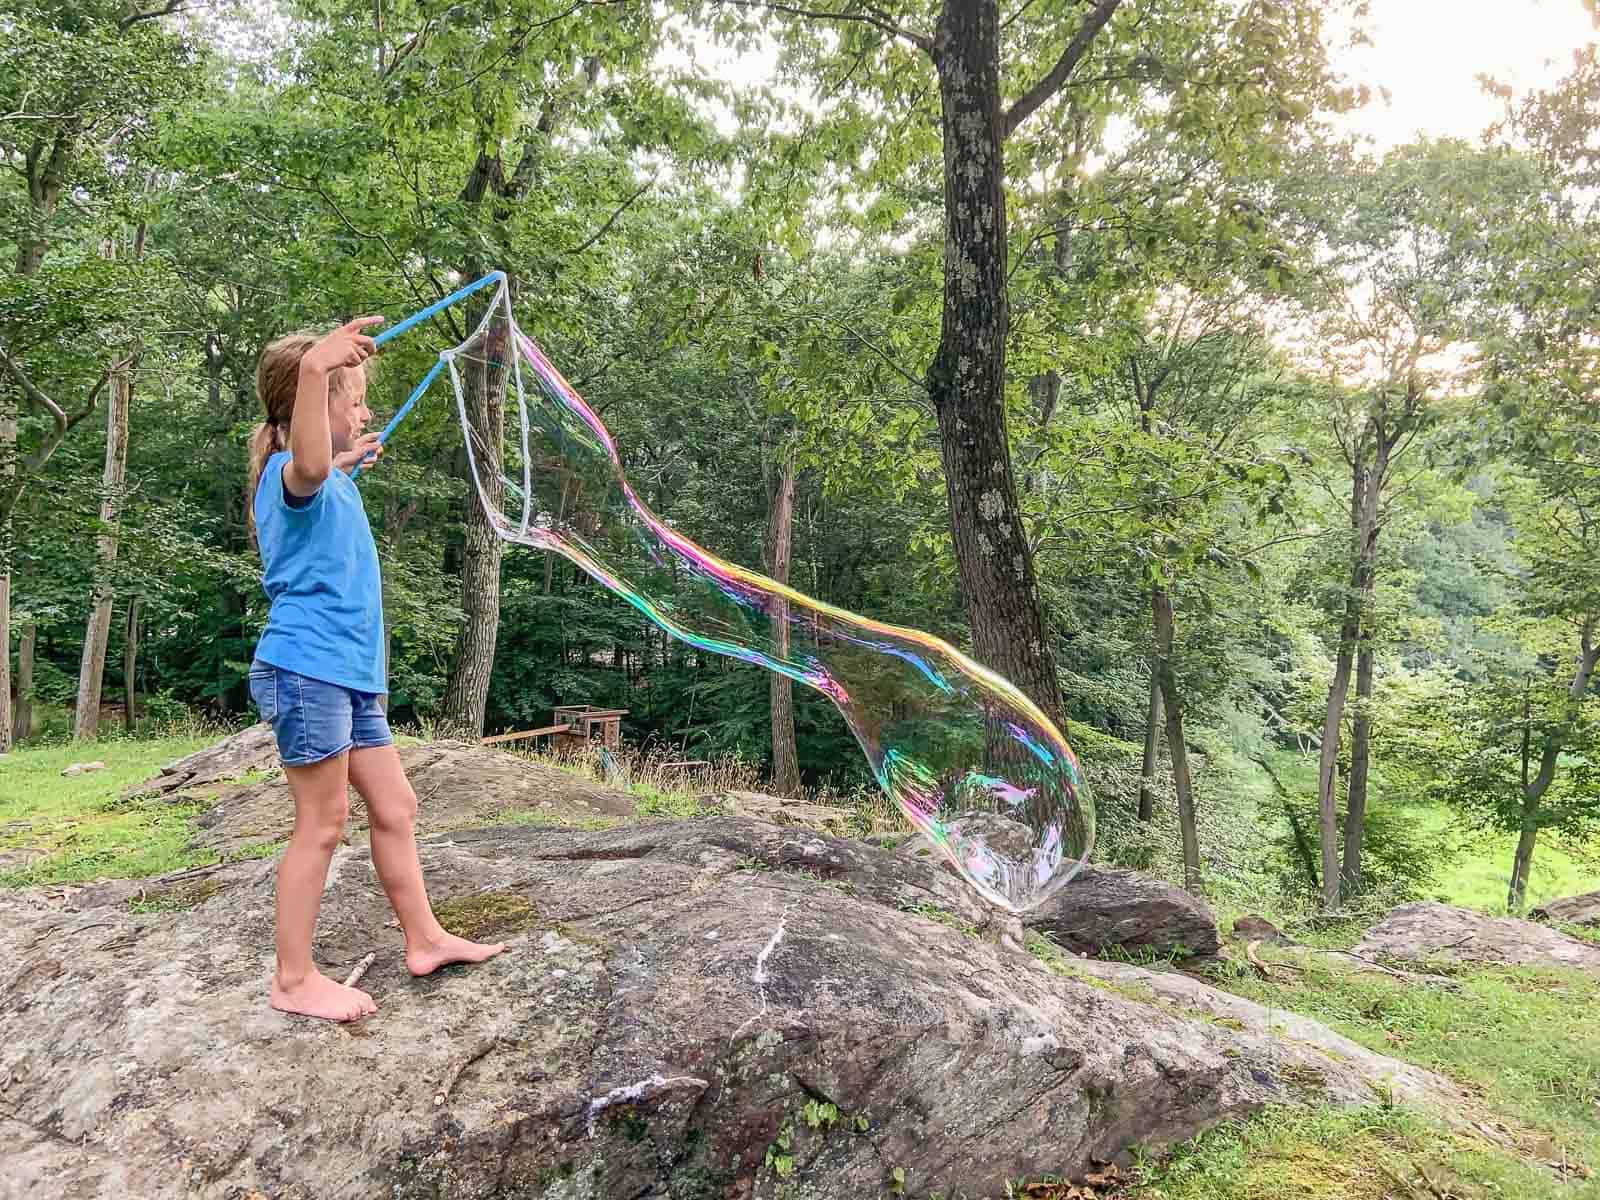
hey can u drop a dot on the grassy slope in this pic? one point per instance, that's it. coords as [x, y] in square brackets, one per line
[1526, 1044]
[85, 829]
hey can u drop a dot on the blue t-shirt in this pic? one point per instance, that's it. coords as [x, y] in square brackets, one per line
[320, 571]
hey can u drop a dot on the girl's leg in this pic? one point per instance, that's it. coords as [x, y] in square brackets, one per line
[320, 803]
[391, 819]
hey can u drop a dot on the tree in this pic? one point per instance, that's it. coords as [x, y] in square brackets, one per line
[78, 82]
[1391, 301]
[1260, 65]
[779, 540]
[1524, 753]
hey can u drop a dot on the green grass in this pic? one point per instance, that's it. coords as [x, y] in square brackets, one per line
[1524, 1044]
[1366, 1154]
[1480, 875]
[85, 830]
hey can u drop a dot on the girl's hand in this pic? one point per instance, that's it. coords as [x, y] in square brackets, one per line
[346, 346]
[365, 452]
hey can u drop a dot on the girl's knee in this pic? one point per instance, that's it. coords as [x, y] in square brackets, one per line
[396, 812]
[322, 823]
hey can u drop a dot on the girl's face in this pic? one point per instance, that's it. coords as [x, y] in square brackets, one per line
[348, 413]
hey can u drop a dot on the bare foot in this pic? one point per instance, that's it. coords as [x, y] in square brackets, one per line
[427, 957]
[318, 996]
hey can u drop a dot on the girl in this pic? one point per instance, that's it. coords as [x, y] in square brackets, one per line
[319, 669]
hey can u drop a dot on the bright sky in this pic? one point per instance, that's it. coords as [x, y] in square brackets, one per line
[1428, 54]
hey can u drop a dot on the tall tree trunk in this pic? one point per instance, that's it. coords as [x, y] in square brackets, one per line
[466, 692]
[23, 723]
[1328, 763]
[1555, 740]
[1152, 744]
[97, 631]
[5, 643]
[780, 531]
[45, 178]
[1339, 688]
[1165, 629]
[130, 664]
[1368, 526]
[8, 470]
[1355, 812]
[1522, 861]
[967, 377]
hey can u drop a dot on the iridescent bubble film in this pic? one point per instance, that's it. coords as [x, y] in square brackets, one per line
[969, 759]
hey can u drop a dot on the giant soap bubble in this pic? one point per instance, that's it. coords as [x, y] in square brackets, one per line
[951, 742]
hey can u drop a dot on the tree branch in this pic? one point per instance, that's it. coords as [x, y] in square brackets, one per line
[63, 424]
[166, 10]
[32, 392]
[612, 219]
[869, 15]
[1052, 83]
[920, 384]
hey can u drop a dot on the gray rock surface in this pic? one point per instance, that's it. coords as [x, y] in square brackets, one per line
[1571, 910]
[251, 749]
[1105, 908]
[674, 998]
[1432, 932]
[457, 784]
[1100, 908]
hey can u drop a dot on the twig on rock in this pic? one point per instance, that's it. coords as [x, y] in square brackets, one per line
[55, 928]
[360, 969]
[453, 1072]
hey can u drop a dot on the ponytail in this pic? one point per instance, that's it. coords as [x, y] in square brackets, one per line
[264, 443]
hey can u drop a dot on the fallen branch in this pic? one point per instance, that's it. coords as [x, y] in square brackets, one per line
[360, 970]
[1250, 954]
[453, 1072]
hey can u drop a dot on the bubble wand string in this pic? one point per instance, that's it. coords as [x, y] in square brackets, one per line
[414, 319]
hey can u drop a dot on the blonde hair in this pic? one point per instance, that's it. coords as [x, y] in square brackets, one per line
[277, 384]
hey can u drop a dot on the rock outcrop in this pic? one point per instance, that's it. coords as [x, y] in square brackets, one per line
[1101, 909]
[1430, 932]
[709, 1008]
[1570, 910]
[1109, 908]
[457, 784]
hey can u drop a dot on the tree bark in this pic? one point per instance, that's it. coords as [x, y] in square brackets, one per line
[1355, 817]
[466, 692]
[91, 669]
[780, 531]
[1355, 814]
[1533, 790]
[130, 663]
[1165, 629]
[1152, 744]
[1522, 862]
[8, 469]
[45, 175]
[967, 377]
[1339, 689]
[22, 725]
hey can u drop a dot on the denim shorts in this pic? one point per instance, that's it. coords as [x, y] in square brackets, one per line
[313, 720]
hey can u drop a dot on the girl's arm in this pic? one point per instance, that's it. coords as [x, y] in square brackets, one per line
[310, 440]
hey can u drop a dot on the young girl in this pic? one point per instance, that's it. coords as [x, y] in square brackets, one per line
[319, 669]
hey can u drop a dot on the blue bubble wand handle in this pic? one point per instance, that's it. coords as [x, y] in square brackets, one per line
[415, 319]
